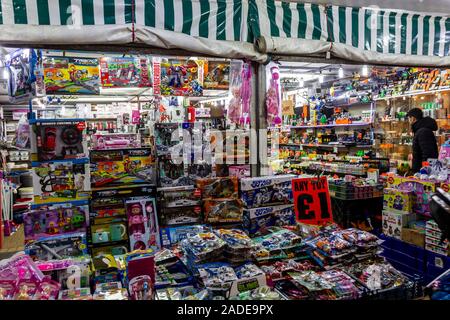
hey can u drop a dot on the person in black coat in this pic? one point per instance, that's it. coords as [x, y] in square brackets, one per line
[424, 142]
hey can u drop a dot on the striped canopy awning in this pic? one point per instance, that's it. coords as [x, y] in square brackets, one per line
[229, 27]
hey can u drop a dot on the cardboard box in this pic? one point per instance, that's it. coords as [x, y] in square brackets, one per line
[413, 237]
[394, 222]
[397, 200]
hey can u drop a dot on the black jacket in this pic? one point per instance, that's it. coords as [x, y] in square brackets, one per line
[424, 142]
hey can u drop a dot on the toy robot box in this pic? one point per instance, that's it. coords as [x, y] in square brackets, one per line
[265, 191]
[394, 222]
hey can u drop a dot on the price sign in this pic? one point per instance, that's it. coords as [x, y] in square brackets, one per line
[312, 202]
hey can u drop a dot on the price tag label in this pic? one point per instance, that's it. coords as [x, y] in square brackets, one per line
[312, 202]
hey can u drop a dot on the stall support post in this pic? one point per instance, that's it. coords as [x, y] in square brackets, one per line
[261, 123]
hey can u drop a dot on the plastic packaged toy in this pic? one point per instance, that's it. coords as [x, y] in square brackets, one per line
[223, 210]
[180, 77]
[265, 191]
[115, 141]
[20, 267]
[398, 200]
[203, 247]
[142, 224]
[218, 188]
[43, 222]
[47, 290]
[179, 216]
[110, 291]
[257, 220]
[172, 197]
[173, 235]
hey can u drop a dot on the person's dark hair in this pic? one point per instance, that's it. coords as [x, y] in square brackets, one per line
[416, 113]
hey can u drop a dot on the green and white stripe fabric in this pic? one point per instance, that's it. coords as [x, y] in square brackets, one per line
[66, 12]
[271, 18]
[212, 19]
[389, 32]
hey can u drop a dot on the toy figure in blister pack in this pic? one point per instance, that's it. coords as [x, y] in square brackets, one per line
[141, 288]
[246, 93]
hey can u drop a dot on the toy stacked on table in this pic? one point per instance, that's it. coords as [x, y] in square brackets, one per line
[278, 244]
[238, 245]
[171, 271]
[140, 274]
[433, 236]
[202, 248]
[178, 206]
[221, 202]
[268, 202]
[20, 279]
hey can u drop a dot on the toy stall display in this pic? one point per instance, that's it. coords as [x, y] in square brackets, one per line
[180, 77]
[119, 72]
[67, 75]
[122, 167]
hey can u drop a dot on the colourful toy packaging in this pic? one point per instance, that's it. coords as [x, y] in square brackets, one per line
[265, 191]
[119, 72]
[217, 75]
[222, 211]
[218, 188]
[54, 220]
[173, 197]
[178, 216]
[173, 235]
[115, 141]
[59, 140]
[399, 200]
[60, 181]
[257, 220]
[140, 274]
[112, 168]
[142, 223]
[180, 77]
[423, 191]
[71, 75]
[394, 222]
[58, 247]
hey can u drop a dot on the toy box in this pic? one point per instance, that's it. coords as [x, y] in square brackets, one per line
[111, 168]
[218, 188]
[265, 191]
[242, 171]
[394, 222]
[167, 135]
[66, 75]
[60, 181]
[423, 190]
[59, 140]
[413, 237]
[222, 210]
[217, 75]
[113, 141]
[53, 220]
[119, 72]
[142, 223]
[58, 247]
[398, 200]
[172, 197]
[257, 220]
[173, 235]
[180, 77]
[180, 215]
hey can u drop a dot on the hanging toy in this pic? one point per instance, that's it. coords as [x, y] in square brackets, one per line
[246, 93]
[273, 98]
[234, 109]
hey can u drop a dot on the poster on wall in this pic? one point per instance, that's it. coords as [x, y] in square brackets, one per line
[65, 75]
[216, 75]
[124, 72]
[180, 77]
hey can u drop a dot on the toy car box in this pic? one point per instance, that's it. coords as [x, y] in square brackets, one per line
[172, 197]
[217, 188]
[222, 210]
[173, 235]
[258, 219]
[265, 191]
[394, 222]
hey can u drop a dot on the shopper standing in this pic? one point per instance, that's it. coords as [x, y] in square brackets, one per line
[424, 142]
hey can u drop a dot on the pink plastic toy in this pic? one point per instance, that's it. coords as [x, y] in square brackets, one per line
[273, 98]
[234, 109]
